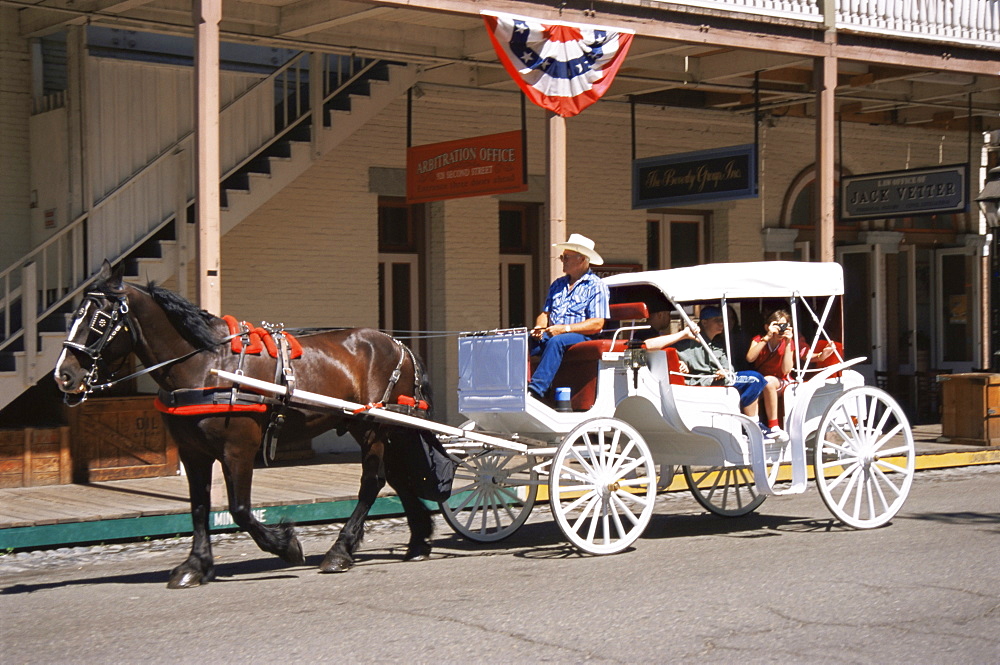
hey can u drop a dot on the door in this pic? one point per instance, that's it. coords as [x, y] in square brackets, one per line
[956, 311]
[861, 308]
[518, 252]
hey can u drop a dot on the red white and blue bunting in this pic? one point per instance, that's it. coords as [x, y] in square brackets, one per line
[562, 67]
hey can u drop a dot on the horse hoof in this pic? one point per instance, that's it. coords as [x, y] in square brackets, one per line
[293, 554]
[185, 579]
[334, 563]
[420, 552]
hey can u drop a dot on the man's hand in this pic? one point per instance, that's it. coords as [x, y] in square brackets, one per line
[684, 367]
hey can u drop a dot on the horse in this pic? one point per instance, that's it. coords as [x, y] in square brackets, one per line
[179, 343]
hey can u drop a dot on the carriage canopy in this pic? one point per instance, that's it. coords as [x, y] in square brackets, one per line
[760, 279]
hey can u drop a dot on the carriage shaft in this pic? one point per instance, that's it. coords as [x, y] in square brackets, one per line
[354, 408]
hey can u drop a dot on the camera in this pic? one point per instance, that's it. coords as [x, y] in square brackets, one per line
[782, 327]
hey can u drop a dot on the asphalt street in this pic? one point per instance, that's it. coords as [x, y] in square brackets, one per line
[785, 585]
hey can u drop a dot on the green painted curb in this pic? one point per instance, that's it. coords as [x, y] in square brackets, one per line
[74, 533]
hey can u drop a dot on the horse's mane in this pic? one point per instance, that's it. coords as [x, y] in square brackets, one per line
[193, 323]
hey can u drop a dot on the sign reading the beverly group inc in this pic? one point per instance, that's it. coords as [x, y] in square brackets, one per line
[708, 175]
[475, 166]
[928, 191]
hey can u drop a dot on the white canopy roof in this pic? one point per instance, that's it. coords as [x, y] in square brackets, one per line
[761, 279]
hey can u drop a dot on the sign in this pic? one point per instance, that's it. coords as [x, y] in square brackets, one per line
[608, 269]
[928, 191]
[476, 166]
[721, 174]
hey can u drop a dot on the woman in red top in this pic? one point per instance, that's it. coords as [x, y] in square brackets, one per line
[769, 354]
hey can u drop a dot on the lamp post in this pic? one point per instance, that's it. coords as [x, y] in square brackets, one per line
[989, 201]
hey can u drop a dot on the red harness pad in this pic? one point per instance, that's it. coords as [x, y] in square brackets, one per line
[259, 339]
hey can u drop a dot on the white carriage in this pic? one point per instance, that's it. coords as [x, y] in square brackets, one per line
[635, 420]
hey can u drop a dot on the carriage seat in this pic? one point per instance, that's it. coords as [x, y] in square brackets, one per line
[832, 360]
[579, 365]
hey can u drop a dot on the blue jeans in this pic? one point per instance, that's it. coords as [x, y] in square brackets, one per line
[552, 350]
[749, 385]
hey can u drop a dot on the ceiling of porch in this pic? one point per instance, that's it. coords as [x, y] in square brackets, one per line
[677, 59]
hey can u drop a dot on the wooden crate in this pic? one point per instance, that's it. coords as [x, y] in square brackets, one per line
[119, 438]
[970, 408]
[35, 456]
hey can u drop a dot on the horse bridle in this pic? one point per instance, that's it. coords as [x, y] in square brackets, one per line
[107, 325]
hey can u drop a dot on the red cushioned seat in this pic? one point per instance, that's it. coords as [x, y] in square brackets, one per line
[578, 370]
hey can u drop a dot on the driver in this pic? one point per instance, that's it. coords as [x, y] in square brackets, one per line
[574, 311]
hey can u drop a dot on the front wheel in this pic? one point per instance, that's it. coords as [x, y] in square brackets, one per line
[493, 494]
[864, 458]
[602, 486]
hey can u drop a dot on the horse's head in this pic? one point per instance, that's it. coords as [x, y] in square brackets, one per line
[102, 333]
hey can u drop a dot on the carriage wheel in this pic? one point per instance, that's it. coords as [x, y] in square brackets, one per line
[602, 486]
[724, 490]
[492, 495]
[864, 442]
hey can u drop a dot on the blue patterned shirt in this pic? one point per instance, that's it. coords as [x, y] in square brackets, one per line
[587, 300]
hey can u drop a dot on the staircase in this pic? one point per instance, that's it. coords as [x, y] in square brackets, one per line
[352, 92]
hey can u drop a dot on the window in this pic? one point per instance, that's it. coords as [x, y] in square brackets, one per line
[400, 283]
[675, 240]
[518, 248]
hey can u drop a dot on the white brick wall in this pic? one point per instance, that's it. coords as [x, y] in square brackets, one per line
[15, 109]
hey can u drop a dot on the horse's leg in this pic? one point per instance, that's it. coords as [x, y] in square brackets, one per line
[421, 527]
[339, 559]
[237, 468]
[199, 567]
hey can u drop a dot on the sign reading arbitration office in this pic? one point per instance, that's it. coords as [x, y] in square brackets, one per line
[476, 166]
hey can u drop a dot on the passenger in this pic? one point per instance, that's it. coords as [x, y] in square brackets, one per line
[771, 354]
[575, 311]
[696, 360]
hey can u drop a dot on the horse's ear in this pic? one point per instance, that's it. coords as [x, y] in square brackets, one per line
[111, 277]
[105, 273]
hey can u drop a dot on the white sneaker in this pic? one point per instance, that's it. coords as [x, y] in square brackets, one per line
[777, 434]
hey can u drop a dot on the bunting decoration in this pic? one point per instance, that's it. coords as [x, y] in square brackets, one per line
[562, 67]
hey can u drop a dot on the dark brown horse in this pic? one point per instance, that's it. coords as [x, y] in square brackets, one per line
[357, 365]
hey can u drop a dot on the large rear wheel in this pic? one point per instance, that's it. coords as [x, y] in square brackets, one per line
[864, 458]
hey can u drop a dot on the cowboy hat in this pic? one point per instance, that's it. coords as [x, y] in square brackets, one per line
[581, 245]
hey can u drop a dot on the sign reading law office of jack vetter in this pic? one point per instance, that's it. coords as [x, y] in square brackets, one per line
[927, 191]
[721, 174]
[475, 166]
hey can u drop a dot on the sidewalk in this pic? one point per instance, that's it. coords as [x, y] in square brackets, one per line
[321, 491]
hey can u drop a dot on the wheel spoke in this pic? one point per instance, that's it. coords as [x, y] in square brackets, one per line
[885, 438]
[634, 482]
[848, 470]
[849, 490]
[579, 500]
[587, 467]
[634, 498]
[844, 461]
[893, 467]
[622, 457]
[888, 481]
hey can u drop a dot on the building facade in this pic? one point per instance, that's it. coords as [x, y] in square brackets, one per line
[99, 122]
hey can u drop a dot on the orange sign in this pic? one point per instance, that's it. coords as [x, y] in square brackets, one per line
[475, 166]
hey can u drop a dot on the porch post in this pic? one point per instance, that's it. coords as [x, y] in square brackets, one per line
[207, 14]
[557, 189]
[825, 70]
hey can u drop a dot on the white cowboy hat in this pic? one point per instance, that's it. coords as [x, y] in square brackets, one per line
[581, 245]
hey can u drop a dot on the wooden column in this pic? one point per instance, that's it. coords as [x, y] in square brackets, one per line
[556, 129]
[825, 70]
[207, 14]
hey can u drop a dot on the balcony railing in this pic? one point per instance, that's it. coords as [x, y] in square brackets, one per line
[972, 22]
